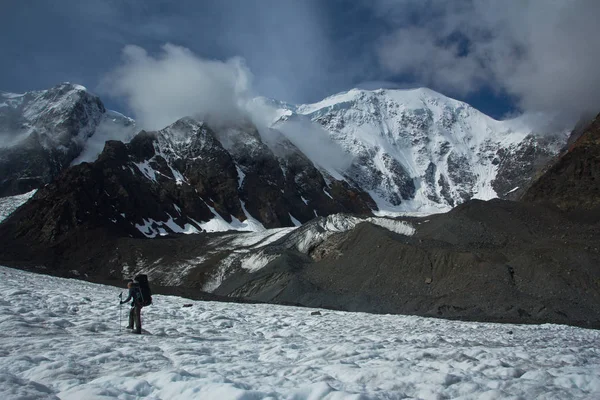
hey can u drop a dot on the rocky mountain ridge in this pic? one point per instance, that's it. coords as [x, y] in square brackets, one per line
[572, 183]
[182, 180]
[404, 150]
[43, 132]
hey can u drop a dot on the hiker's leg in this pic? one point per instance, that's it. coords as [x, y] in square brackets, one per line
[131, 317]
[138, 319]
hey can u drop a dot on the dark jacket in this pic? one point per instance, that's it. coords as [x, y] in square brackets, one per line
[134, 293]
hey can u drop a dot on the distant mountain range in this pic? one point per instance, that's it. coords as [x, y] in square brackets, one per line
[419, 150]
[364, 152]
[336, 168]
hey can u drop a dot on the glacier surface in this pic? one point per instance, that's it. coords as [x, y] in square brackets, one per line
[61, 339]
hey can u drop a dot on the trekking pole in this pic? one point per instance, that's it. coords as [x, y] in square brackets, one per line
[120, 309]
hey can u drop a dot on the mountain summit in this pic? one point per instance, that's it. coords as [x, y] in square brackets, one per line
[362, 151]
[420, 150]
[43, 132]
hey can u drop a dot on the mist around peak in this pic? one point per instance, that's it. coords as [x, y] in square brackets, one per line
[161, 88]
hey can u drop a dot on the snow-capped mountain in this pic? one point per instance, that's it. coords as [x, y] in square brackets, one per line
[360, 152]
[55, 116]
[419, 150]
[43, 132]
[186, 178]
[496, 260]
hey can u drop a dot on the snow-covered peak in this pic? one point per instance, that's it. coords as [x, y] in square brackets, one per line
[75, 86]
[418, 109]
[42, 132]
[59, 99]
[369, 100]
[182, 130]
[18, 98]
[418, 150]
[186, 137]
[57, 115]
[56, 97]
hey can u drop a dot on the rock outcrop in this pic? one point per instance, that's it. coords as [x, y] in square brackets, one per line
[572, 183]
[182, 180]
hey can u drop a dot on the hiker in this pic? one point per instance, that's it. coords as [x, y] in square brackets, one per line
[135, 314]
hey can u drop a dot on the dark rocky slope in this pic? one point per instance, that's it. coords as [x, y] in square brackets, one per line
[489, 261]
[519, 165]
[573, 182]
[497, 260]
[167, 182]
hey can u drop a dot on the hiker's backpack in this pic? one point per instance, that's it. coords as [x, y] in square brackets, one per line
[142, 280]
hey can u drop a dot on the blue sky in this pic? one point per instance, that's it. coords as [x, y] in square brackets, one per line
[522, 55]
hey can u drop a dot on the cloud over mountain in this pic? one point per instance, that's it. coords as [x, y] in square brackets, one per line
[161, 88]
[544, 53]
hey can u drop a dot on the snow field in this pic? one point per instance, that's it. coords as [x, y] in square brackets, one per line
[60, 338]
[9, 204]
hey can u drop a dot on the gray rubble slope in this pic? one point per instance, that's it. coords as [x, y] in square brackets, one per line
[496, 260]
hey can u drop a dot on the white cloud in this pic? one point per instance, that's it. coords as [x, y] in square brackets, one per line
[176, 83]
[113, 126]
[275, 122]
[314, 141]
[544, 53]
[416, 51]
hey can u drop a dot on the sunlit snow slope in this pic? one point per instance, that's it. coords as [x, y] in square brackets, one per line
[11, 203]
[44, 132]
[418, 150]
[60, 339]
